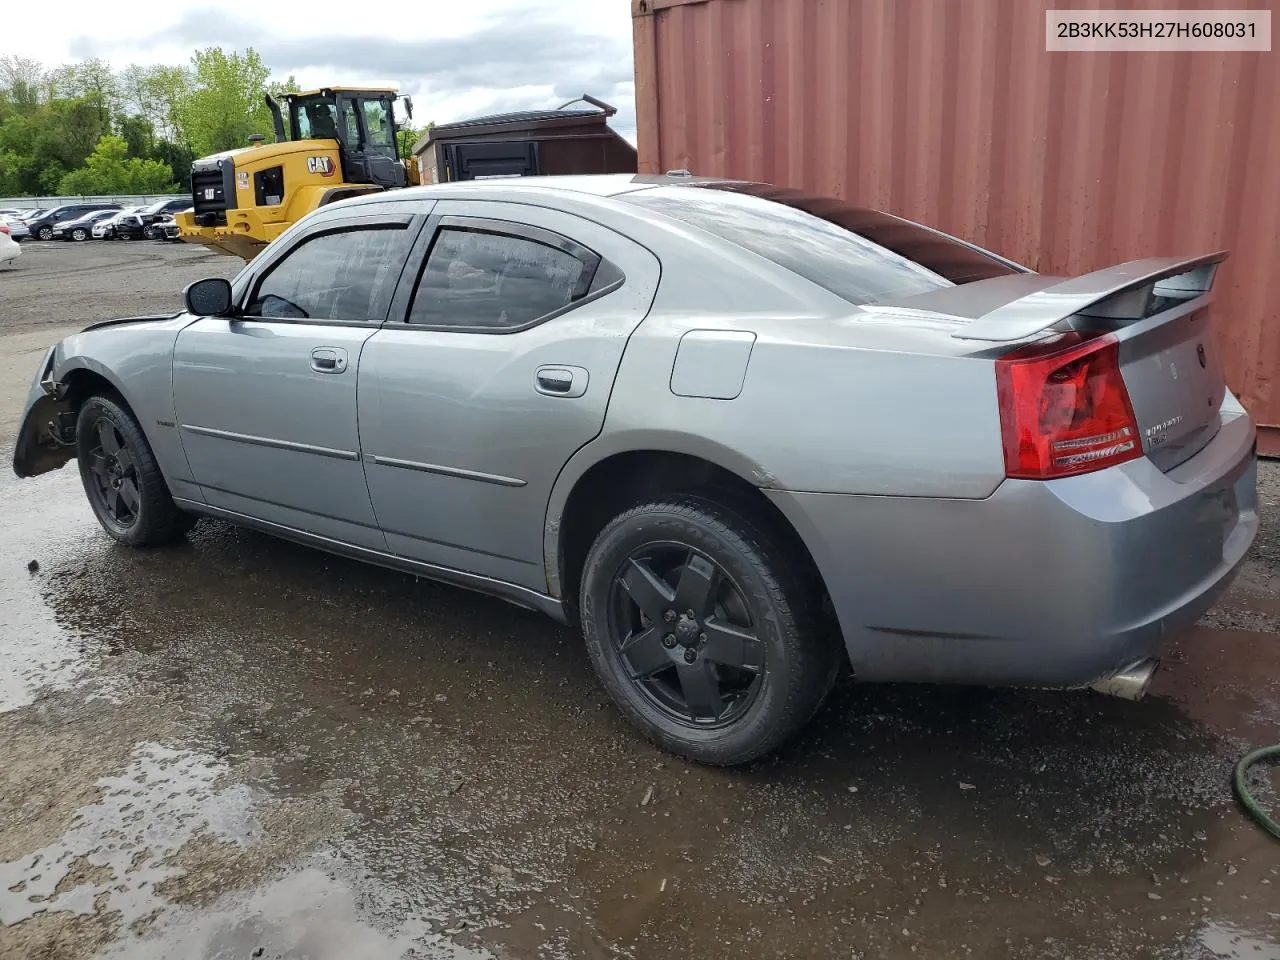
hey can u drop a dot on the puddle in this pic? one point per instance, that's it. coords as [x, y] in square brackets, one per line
[307, 914]
[1225, 941]
[37, 652]
[117, 851]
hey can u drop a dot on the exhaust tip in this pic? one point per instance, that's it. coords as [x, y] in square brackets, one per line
[1130, 683]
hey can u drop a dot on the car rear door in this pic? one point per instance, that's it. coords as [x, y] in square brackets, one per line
[495, 368]
[266, 401]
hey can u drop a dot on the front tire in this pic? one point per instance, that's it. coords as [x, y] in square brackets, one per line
[79, 235]
[122, 479]
[45, 233]
[705, 630]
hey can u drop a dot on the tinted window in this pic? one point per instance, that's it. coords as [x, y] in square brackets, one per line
[377, 122]
[349, 275]
[858, 254]
[481, 279]
[348, 123]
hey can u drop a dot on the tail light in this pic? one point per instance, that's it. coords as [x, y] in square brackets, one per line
[1064, 407]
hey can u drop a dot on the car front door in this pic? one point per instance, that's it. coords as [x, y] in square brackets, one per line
[266, 400]
[495, 367]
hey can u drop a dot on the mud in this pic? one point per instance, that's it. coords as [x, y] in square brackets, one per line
[238, 747]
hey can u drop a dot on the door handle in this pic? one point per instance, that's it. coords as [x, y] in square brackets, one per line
[328, 360]
[558, 381]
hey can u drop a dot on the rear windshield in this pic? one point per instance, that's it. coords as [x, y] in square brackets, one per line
[858, 254]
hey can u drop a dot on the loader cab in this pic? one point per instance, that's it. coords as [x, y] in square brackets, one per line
[363, 124]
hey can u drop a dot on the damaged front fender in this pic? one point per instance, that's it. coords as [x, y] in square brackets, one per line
[46, 436]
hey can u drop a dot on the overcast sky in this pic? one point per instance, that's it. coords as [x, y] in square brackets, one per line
[457, 59]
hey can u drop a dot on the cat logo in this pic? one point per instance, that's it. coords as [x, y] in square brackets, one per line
[320, 165]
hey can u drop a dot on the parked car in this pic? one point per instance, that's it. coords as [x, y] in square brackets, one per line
[106, 229]
[17, 229]
[9, 249]
[155, 212]
[733, 433]
[80, 228]
[168, 229]
[134, 226]
[42, 227]
[31, 213]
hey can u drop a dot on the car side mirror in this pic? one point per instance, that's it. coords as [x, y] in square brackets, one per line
[210, 297]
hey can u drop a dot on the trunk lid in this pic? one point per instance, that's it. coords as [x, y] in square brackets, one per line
[1176, 384]
[1158, 310]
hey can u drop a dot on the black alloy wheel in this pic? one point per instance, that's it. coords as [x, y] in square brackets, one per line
[685, 633]
[121, 477]
[113, 471]
[705, 627]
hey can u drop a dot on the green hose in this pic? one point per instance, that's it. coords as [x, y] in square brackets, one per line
[1246, 798]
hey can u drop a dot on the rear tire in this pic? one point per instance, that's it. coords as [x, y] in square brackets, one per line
[122, 479]
[746, 672]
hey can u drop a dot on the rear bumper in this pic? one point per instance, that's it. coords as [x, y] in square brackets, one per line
[1052, 583]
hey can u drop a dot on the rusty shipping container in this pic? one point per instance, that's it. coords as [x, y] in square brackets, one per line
[951, 112]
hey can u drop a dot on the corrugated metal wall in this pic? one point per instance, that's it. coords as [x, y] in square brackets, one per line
[951, 112]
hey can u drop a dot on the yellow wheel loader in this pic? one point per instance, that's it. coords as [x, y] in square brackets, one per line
[335, 142]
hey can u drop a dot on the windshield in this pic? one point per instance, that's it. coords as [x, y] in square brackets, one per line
[314, 118]
[153, 207]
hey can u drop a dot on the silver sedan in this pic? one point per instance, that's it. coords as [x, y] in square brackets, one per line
[738, 435]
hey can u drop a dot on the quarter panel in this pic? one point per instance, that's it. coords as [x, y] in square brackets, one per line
[818, 413]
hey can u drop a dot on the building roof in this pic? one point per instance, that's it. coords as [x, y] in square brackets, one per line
[519, 116]
[510, 122]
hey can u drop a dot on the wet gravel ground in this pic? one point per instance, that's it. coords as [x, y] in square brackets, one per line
[238, 747]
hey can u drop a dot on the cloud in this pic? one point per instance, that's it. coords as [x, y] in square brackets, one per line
[519, 58]
[521, 49]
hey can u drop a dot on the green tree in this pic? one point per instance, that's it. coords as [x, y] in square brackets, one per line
[407, 135]
[93, 82]
[138, 134]
[177, 158]
[110, 169]
[23, 81]
[225, 103]
[154, 93]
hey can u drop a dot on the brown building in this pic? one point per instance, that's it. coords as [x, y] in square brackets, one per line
[951, 112]
[529, 143]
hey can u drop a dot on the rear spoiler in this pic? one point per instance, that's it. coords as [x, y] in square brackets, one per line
[1127, 288]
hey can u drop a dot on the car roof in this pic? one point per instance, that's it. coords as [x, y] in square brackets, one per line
[591, 184]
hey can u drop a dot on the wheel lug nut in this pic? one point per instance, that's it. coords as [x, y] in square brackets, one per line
[669, 640]
[669, 616]
[690, 656]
